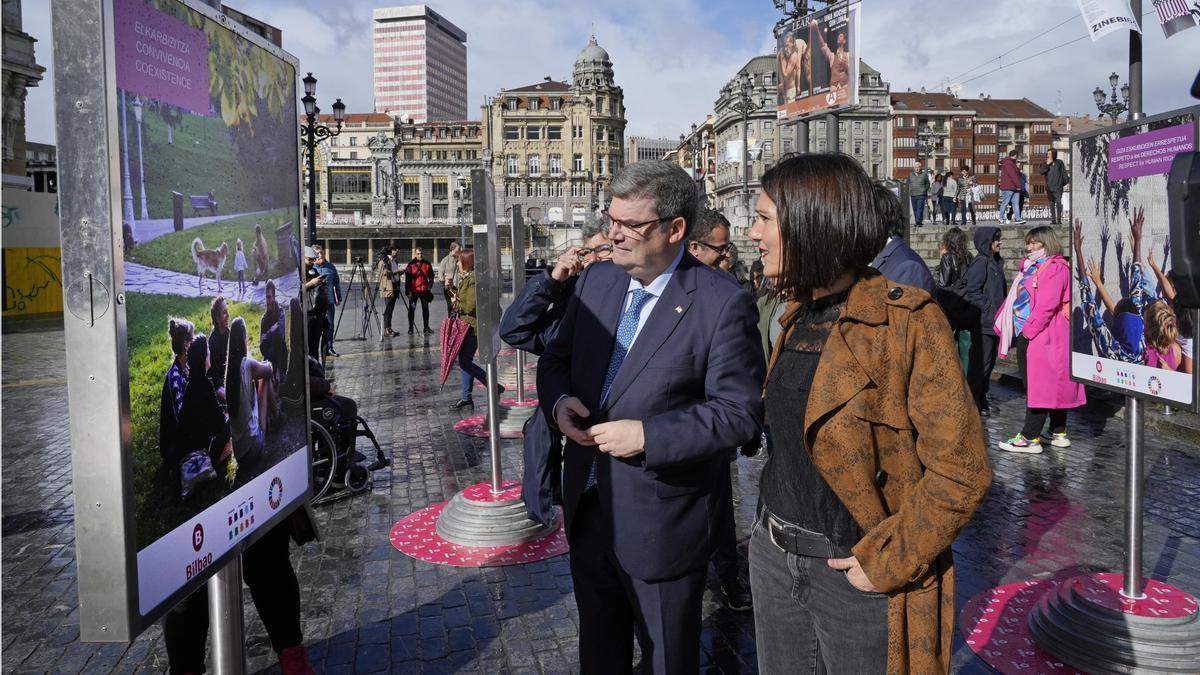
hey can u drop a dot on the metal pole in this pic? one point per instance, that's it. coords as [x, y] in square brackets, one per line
[831, 133]
[802, 136]
[1135, 63]
[487, 289]
[1133, 499]
[311, 142]
[225, 617]
[745, 163]
[126, 188]
[518, 276]
[141, 162]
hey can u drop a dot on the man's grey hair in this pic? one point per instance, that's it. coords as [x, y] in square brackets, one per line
[673, 191]
[592, 228]
[707, 220]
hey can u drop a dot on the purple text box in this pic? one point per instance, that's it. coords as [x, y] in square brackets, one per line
[1150, 153]
[160, 56]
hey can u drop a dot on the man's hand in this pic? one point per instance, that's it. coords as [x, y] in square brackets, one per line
[1135, 232]
[567, 266]
[854, 573]
[567, 415]
[623, 438]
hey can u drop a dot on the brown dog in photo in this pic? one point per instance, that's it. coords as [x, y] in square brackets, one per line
[262, 259]
[209, 260]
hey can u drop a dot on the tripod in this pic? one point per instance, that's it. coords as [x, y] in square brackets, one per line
[368, 297]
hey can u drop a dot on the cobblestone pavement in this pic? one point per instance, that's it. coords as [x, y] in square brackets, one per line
[368, 608]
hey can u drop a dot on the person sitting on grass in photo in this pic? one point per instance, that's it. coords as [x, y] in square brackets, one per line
[204, 427]
[273, 332]
[218, 344]
[249, 393]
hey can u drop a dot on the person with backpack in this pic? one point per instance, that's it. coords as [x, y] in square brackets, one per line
[1057, 177]
[985, 290]
[951, 279]
[418, 285]
[1041, 326]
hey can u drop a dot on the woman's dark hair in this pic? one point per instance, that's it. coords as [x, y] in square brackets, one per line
[197, 356]
[233, 364]
[180, 331]
[828, 222]
[955, 243]
[890, 212]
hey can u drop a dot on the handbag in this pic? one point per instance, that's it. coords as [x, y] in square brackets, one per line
[195, 470]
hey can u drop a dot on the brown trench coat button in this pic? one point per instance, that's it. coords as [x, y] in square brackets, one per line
[895, 293]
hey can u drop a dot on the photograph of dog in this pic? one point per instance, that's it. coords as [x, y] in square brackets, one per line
[209, 260]
[262, 259]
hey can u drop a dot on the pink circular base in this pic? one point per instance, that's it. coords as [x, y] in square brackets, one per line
[482, 492]
[995, 623]
[476, 425]
[529, 386]
[416, 536]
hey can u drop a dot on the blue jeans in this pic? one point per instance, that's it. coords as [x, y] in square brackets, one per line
[948, 209]
[1007, 197]
[963, 207]
[918, 208]
[809, 619]
[470, 370]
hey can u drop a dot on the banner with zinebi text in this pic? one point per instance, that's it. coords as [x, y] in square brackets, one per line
[1106, 16]
[1127, 335]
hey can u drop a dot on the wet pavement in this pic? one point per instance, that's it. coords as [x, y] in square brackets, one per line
[367, 608]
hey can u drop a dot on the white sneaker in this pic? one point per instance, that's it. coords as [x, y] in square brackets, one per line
[1060, 440]
[1019, 221]
[1021, 444]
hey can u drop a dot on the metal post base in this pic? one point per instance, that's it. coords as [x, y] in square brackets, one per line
[1088, 624]
[513, 418]
[483, 518]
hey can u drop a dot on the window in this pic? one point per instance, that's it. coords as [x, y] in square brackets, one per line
[514, 165]
[874, 147]
[511, 103]
[905, 162]
[875, 126]
[961, 143]
[440, 188]
[600, 134]
[905, 142]
[408, 154]
[768, 147]
[600, 164]
[858, 147]
[599, 104]
[412, 188]
[555, 103]
[821, 145]
[333, 155]
[535, 165]
[787, 146]
[441, 211]
[533, 133]
[353, 154]
[577, 163]
[554, 133]
[985, 150]
[344, 181]
[512, 133]
[768, 126]
[354, 140]
[533, 103]
[555, 165]
[858, 126]
[333, 140]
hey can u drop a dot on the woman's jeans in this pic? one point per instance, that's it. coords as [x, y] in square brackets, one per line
[470, 370]
[963, 207]
[808, 618]
[948, 210]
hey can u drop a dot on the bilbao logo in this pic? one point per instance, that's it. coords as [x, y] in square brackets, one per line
[1099, 367]
[275, 493]
[197, 537]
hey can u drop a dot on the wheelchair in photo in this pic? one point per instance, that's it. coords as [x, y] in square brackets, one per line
[335, 432]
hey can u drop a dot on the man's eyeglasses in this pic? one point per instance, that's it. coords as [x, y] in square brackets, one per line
[635, 227]
[601, 251]
[719, 250]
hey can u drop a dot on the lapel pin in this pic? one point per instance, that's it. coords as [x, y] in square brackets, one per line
[678, 309]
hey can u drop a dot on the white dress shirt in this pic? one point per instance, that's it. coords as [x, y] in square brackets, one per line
[655, 289]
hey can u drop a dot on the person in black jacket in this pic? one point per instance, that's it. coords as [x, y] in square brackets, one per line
[1057, 177]
[897, 260]
[951, 279]
[986, 289]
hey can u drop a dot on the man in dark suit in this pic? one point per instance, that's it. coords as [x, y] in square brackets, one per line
[653, 376]
[898, 261]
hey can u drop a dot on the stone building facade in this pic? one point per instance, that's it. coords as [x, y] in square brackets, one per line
[764, 145]
[863, 133]
[553, 147]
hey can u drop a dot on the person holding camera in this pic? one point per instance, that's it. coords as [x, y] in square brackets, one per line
[385, 279]
[448, 273]
[316, 302]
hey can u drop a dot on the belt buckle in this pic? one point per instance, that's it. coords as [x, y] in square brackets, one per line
[771, 523]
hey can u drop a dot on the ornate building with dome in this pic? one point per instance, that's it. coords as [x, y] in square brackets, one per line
[553, 147]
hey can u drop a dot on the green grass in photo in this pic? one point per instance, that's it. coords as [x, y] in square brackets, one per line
[158, 505]
[174, 251]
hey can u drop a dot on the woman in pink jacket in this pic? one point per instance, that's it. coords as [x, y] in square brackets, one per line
[1042, 325]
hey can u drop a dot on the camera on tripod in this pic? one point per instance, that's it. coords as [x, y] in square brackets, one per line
[360, 259]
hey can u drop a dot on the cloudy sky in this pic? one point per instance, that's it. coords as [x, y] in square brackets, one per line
[672, 56]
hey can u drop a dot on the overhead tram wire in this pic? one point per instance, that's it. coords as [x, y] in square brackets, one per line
[1031, 56]
[996, 58]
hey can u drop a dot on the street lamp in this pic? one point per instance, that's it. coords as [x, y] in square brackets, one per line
[746, 99]
[1114, 107]
[137, 117]
[312, 133]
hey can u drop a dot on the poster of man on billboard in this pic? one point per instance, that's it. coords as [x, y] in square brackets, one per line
[1128, 335]
[209, 324]
[817, 60]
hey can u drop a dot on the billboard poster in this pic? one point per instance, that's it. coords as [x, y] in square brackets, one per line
[205, 330]
[817, 61]
[1127, 334]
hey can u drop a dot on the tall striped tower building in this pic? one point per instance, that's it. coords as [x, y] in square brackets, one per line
[420, 64]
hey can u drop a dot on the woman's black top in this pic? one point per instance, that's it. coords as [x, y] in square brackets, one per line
[791, 487]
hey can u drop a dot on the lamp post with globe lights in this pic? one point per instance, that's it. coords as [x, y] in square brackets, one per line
[1113, 107]
[312, 132]
[746, 99]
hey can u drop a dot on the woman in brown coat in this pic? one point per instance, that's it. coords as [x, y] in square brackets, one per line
[876, 459]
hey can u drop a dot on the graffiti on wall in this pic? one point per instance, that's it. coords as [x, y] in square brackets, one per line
[32, 281]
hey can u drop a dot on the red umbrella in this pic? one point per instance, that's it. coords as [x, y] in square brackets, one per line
[454, 331]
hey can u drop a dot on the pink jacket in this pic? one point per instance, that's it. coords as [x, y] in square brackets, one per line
[1048, 328]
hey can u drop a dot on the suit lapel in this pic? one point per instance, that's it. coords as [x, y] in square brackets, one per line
[668, 311]
[599, 332]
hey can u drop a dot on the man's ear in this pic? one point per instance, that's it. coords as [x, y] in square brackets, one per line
[678, 230]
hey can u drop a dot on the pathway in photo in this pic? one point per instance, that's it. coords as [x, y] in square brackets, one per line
[145, 230]
[143, 279]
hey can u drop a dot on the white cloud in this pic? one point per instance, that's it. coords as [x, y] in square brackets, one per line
[672, 56]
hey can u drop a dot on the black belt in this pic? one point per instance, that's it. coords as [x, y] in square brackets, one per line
[799, 541]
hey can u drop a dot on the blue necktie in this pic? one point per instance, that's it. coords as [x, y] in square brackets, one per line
[625, 334]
